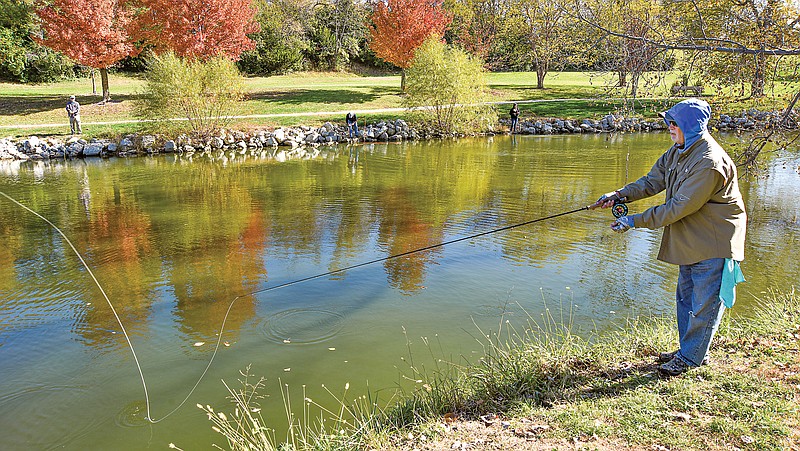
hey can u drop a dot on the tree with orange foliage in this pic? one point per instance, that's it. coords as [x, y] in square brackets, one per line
[95, 33]
[400, 26]
[200, 28]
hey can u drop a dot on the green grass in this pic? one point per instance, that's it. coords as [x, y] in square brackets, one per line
[570, 95]
[602, 392]
[608, 387]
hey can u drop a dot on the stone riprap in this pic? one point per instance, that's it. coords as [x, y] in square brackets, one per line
[35, 148]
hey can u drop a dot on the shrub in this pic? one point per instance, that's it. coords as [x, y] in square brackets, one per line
[450, 85]
[190, 95]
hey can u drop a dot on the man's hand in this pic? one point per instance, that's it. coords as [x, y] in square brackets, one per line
[622, 224]
[607, 200]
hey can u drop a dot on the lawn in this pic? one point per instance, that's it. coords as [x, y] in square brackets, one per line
[312, 98]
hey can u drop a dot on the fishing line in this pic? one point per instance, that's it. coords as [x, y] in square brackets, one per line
[113, 310]
[149, 417]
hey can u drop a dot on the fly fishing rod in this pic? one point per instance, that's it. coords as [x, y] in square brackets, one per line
[619, 209]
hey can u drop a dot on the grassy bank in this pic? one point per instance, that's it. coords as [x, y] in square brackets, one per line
[549, 389]
[299, 98]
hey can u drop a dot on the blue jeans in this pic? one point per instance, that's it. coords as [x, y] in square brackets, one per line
[514, 121]
[699, 308]
[353, 128]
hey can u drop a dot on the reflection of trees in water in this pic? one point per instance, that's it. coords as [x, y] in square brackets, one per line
[205, 287]
[9, 252]
[402, 230]
[117, 238]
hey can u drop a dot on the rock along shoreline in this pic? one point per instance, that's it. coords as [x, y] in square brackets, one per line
[299, 139]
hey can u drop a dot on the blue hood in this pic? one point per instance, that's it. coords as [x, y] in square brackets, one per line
[692, 117]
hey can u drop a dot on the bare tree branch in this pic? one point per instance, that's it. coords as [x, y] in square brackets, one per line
[739, 48]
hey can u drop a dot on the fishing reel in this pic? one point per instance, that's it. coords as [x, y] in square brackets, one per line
[619, 209]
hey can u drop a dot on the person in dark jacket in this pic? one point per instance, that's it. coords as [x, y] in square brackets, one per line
[704, 223]
[352, 124]
[514, 113]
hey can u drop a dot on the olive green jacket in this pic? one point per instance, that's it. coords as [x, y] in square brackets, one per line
[703, 216]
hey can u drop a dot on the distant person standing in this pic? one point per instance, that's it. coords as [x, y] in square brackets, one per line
[514, 113]
[352, 124]
[74, 113]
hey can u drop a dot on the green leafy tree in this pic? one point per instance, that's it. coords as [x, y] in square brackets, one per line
[282, 43]
[203, 94]
[336, 31]
[21, 58]
[447, 86]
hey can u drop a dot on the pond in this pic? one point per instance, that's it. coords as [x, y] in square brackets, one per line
[173, 242]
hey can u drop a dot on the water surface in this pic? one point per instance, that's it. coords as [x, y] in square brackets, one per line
[174, 241]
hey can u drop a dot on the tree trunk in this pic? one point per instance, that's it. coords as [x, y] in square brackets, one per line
[757, 89]
[634, 85]
[622, 79]
[540, 74]
[104, 82]
[403, 80]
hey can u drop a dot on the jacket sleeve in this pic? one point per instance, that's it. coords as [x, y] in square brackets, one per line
[649, 185]
[694, 192]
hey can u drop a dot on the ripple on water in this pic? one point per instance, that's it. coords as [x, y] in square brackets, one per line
[303, 326]
[25, 308]
[133, 415]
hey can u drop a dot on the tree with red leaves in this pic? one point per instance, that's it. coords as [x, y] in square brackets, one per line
[95, 33]
[400, 26]
[200, 28]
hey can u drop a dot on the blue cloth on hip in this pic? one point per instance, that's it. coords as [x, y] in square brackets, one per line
[731, 275]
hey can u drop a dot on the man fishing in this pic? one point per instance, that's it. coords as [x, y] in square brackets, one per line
[514, 114]
[703, 218]
[352, 124]
[74, 113]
